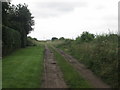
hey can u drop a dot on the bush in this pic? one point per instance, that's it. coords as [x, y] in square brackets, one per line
[62, 38]
[11, 40]
[99, 54]
[31, 41]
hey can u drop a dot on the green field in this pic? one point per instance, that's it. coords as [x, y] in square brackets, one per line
[23, 68]
[71, 76]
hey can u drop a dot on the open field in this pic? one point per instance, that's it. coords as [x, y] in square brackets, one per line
[23, 68]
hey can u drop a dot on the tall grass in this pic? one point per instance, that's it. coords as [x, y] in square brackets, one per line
[100, 55]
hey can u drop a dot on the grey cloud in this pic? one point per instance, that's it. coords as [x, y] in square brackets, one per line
[110, 18]
[62, 4]
[65, 9]
[49, 9]
[100, 7]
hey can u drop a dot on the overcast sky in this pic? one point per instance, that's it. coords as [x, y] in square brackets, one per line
[69, 18]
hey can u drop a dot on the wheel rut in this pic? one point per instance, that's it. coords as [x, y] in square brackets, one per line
[53, 77]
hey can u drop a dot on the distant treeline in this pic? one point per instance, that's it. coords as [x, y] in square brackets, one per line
[100, 53]
[17, 22]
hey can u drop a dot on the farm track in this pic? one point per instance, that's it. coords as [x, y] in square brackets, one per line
[52, 75]
[86, 73]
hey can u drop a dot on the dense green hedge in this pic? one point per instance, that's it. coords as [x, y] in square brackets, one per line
[99, 55]
[11, 39]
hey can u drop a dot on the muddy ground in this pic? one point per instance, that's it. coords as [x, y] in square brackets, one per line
[53, 77]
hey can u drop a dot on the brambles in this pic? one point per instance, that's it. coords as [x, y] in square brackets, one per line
[99, 53]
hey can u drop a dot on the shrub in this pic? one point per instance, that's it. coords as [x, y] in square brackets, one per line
[99, 54]
[31, 41]
[62, 38]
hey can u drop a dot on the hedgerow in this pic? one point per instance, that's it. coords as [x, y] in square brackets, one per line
[11, 39]
[99, 54]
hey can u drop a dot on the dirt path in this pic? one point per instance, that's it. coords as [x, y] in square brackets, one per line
[86, 73]
[52, 74]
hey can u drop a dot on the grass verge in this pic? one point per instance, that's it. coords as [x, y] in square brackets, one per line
[23, 68]
[71, 76]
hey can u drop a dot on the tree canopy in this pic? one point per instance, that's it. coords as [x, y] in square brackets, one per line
[85, 37]
[17, 19]
[54, 38]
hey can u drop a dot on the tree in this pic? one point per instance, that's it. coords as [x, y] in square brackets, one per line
[17, 22]
[5, 9]
[21, 20]
[54, 38]
[86, 36]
